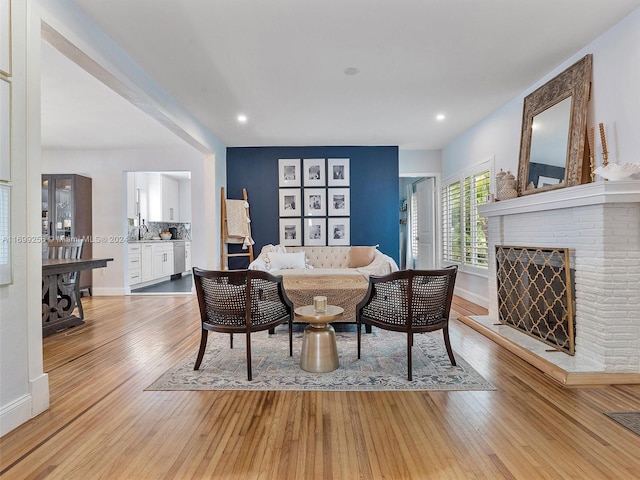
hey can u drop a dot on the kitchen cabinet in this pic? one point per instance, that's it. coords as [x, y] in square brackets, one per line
[135, 263]
[161, 197]
[153, 261]
[164, 198]
[142, 195]
[187, 257]
[146, 267]
[170, 199]
[162, 259]
[67, 213]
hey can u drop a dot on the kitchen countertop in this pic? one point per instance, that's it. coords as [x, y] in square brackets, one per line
[159, 241]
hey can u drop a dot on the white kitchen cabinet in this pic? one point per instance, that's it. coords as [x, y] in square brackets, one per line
[149, 261]
[142, 191]
[146, 267]
[170, 199]
[135, 258]
[154, 195]
[187, 257]
[162, 259]
[169, 266]
[164, 198]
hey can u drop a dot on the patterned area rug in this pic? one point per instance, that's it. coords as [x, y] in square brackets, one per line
[383, 365]
[630, 420]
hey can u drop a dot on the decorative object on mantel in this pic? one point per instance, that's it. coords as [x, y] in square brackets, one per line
[508, 187]
[563, 102]
[591, 154]
[500, 180]
[613, 171]
[605, 153]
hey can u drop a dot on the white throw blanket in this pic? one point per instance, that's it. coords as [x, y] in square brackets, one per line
[238, 222]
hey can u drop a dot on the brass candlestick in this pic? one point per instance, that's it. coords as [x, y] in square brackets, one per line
[591, 154]
[605, 153]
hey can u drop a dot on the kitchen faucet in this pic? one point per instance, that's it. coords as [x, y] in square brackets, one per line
[140, 227]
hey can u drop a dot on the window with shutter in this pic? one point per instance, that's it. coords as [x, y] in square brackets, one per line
[464, 238]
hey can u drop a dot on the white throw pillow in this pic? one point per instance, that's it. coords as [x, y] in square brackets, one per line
[281, 261]
[258, 264]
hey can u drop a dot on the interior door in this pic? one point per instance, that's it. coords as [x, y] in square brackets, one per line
[424, 232]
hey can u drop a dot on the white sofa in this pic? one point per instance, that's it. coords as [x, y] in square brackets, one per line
[323, 261]
[338, 273]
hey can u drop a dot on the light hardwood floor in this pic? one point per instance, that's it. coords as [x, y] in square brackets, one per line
[102, 424]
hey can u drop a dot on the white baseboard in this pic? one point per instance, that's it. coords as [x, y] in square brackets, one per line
[26, 407]
[472, 297]
[108, 292]
[15, 414]
[39, 394]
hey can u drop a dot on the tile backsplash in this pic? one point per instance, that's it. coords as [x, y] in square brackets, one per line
[184, 230]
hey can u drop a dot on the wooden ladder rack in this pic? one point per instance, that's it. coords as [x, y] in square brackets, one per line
[224, 255]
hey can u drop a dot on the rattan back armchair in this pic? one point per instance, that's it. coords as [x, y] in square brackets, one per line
[410, 301]
[240, 301]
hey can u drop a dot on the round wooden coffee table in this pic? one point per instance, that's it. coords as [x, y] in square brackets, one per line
[319, 350]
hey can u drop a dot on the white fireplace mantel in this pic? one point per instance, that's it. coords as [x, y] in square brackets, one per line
[622, 191]
[600, 224]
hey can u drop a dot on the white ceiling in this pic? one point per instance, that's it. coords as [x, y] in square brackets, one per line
[79, 112]
[282, 63]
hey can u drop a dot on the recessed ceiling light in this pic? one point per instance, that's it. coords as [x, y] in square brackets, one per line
[242, 118]
[440, 117]
[351, 71]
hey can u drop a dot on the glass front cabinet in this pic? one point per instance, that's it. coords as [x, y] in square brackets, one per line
[66, 213]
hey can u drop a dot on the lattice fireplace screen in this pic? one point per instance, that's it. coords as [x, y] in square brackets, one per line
[535, 293]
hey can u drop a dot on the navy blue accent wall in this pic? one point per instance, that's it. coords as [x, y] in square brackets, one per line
[373, 184]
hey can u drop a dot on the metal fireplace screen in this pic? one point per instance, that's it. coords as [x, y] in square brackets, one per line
[535, 293]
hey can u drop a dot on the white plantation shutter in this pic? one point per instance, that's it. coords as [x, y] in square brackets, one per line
[476, 189]
[414, 226]
[463, 238]
[451, 225]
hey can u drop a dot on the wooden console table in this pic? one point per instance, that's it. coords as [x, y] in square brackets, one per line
[59, 297]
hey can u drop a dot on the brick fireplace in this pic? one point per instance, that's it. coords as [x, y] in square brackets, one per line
[600, 224]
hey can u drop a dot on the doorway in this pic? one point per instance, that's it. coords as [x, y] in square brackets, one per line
[423, 224]
[419, 222]
[158, 232]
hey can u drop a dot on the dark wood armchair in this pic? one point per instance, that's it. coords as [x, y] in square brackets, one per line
[410, 301]
[240, 301]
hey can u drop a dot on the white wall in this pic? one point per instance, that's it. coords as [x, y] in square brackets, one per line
[614, 101]
[185, 201]
[106, 169]
[411, 162]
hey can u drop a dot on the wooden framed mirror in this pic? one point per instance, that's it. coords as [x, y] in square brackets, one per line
[554, 152]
